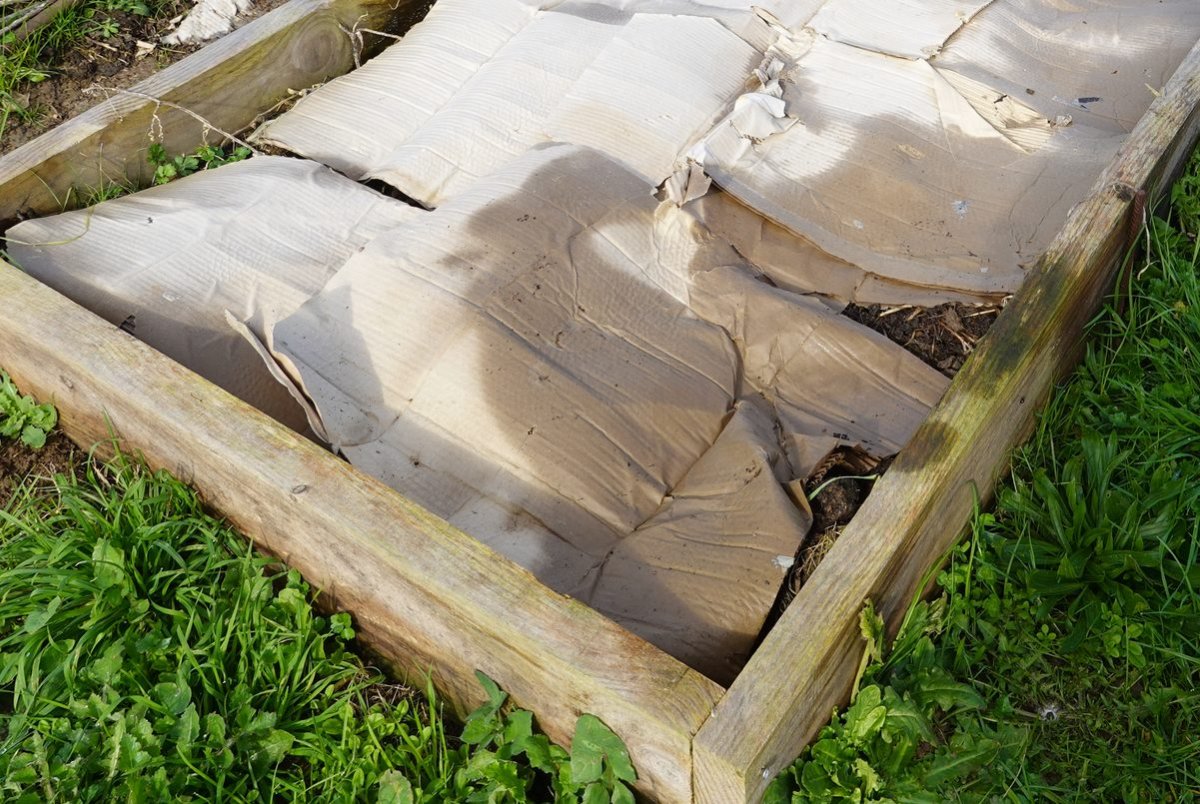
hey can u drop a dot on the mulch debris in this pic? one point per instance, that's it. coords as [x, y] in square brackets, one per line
[943, 336]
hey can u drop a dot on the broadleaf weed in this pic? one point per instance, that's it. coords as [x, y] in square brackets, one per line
[148, 653]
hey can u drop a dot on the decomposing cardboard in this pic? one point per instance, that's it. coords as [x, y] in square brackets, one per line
[587, 356]
[587, 380]
[904, 151]
[945, 149]
[796, 264]
[256, 238]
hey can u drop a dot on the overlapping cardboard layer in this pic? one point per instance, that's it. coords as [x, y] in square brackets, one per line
[256, 239]
[620, 386]
[914, 151]
[943, 150]
[559, 363]
[481, 81]
[586, 379]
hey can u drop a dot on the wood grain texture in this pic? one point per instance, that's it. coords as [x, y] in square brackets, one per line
[228, 83]
[806, 666]
[424, 595]
[42, 17]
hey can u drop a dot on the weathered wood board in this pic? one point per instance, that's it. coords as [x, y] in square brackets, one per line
[433, 599]
[228, 84]
[919, 508]
[423, 594]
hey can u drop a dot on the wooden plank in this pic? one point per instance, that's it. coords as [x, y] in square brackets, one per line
[805, 667]
[39, 19]
[228, 83]
[424, 595]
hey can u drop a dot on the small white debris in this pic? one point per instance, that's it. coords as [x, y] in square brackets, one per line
[1063, 120]
[208, 19]
[144, 49]
[961, 208]
[784, 562]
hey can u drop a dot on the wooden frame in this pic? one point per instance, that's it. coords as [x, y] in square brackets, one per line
[228, 84]
[432, 599]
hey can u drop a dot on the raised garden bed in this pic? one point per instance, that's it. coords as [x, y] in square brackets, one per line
[429, 597]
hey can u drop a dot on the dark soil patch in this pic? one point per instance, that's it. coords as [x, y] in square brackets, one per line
[941, 336]
[19, 463]
[111, 63]
[833, 504]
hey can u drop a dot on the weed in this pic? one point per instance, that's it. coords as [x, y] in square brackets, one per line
[104, 28]
[147, 653]
[886, 744]
[510, 761]
[19, 65]
[21, 416]
[168, 168]
[31, 58]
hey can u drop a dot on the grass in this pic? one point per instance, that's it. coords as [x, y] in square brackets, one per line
[147, 653]
[1061, 660]
[32, 59]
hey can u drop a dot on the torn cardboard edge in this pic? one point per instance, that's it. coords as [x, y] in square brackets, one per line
[890, 137]
[546, 360]
[880, 138]
[251, 241]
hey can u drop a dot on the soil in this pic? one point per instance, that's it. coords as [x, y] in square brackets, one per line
[112, 63]
[19, 463]
[941, 336]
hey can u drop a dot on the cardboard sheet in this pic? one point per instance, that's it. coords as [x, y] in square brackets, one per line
[893, 151]
[479, 82]
[255, 238]
[943, 149]
[557, 362]
[796, 264]
[586, 379]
